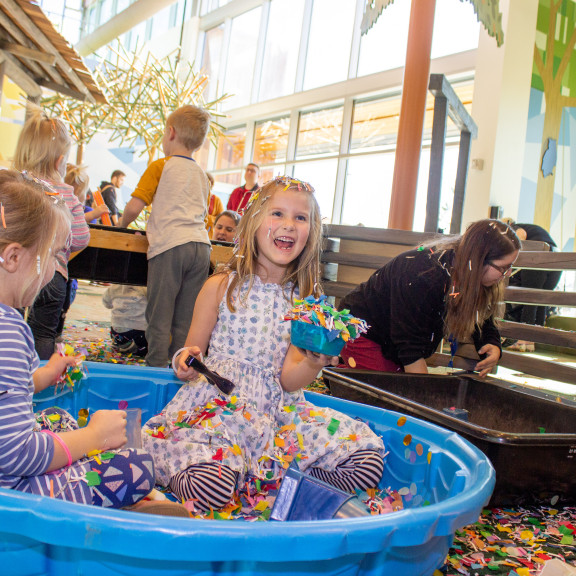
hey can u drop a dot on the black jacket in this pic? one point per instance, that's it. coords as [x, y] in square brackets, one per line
[109, 195]
[405, 303]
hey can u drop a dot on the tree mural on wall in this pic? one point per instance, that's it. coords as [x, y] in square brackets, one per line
[555, 75]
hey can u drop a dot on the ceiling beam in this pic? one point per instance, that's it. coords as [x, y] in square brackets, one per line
[37, 69]
[66, 90]
[14, 71]
[28, 53]
[40, 38]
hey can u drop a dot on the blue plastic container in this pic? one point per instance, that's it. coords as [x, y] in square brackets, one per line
[315, 338]
[40, 535]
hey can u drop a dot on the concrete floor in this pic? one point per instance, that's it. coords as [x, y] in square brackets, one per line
[87, 319]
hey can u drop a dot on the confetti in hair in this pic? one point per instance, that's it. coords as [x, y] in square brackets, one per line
[38, 264]
[2, 214]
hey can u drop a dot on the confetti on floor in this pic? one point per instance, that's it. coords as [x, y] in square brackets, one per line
[92, 339]
[504, 542]
[513, 542]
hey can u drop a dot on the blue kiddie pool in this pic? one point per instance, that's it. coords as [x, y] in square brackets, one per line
[447, 478]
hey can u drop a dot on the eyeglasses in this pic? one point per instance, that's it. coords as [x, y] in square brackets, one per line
[504, 270]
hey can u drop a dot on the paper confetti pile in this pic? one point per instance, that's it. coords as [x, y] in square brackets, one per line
[513, 542]
[319, 312]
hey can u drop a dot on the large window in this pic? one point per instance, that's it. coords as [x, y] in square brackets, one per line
[209, 5]
[375, 124]
[271, 141]
[319, 133]
[281, 51]
[384, 46]
[242, 58]
[456, 28]
[106, 13]
[211, 59]
[161, 21]
[230, 155]
[329, 42]
[367, 191]
[322, 175]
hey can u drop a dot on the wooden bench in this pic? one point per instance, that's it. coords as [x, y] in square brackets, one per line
[352, 254]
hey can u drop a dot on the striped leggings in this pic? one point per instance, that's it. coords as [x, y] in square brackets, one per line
[211, 486]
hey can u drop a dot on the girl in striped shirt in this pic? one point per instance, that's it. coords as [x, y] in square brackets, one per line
[49, 458]
[42, 149]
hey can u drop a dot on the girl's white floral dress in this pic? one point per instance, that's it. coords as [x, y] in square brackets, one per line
[259, 429]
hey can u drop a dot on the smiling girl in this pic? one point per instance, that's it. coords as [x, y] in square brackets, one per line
[205, 445]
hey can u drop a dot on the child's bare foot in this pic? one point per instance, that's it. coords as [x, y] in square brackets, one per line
[160, 508]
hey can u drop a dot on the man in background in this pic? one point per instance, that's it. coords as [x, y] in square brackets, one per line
[241, 195]
[108, 190]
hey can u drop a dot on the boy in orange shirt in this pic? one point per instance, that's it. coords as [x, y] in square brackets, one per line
[179, 247]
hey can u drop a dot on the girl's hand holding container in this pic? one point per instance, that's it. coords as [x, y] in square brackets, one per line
[319, 360]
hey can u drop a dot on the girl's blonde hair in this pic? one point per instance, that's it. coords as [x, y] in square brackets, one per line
[32, 218]
[304, 271]
[77, 177]
[41, 143]
[473, 303]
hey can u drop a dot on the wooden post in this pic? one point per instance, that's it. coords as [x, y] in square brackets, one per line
[413, 107]
[460, 185]
[436, 163]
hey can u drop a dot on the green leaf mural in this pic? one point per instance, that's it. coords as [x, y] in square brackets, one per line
[554, 74]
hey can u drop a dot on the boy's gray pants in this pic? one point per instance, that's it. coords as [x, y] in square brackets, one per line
[174, 279]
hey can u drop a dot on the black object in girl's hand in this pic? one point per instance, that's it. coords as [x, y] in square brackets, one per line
[223, 384]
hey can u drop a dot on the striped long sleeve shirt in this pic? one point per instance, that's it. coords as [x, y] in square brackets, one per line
[23, 452]
[80, 229]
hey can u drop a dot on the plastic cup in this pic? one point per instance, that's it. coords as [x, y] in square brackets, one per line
[134, 428]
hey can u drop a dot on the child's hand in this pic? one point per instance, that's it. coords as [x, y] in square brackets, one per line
[57, 366]
[109, 428]
[99, 210]
[182, 370]
[320, 360]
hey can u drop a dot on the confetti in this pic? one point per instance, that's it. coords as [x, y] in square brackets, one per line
[73, 374]
[319, 312]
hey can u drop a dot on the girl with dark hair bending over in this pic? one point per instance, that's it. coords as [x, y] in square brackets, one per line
[448, 288]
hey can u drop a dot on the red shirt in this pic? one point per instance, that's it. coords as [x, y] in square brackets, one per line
[240, 198]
